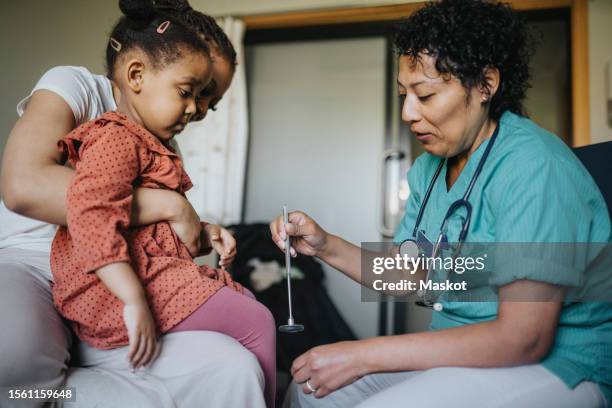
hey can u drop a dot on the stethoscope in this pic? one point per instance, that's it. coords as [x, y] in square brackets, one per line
[411, 248]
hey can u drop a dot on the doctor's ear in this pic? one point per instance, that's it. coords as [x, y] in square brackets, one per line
[135, 74]
[490, 86]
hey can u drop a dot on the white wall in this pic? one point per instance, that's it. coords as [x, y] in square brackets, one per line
[36, 35]
[600, 51]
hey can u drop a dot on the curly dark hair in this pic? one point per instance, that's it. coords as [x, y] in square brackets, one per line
[141, 17]
[139, 29]
[467, 36]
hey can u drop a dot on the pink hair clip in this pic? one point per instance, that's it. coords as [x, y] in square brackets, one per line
[115, 45]
[163, 27]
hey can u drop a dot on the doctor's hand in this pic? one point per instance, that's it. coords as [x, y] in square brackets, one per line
[308, 237]
[221, 240]
[329, 367]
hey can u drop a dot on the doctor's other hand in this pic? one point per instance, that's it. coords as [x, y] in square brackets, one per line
[308, 237]
[329, 367]
[221, 240]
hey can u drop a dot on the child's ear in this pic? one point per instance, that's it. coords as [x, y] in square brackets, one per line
[135, 74]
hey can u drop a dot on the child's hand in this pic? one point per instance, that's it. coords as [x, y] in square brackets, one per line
[141, 332]
[222, 241]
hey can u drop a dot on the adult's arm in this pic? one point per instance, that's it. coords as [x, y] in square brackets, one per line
[310, 239]
[34, 182]
[522, 333]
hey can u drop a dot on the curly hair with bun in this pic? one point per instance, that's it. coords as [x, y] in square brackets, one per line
[138, 30]
[465, 37]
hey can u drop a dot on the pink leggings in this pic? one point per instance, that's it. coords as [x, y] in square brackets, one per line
[245, 319]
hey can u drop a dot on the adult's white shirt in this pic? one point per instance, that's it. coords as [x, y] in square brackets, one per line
[89, 96]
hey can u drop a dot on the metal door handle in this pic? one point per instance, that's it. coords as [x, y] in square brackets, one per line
[387, 156]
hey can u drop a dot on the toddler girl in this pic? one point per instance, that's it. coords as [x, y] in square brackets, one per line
[121, 285]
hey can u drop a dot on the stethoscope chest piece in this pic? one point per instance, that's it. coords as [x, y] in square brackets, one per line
[410, 249]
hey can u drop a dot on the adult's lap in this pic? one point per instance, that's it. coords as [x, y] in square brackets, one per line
[529, 386]
[34, 340]
[193, 366]
[525, 386]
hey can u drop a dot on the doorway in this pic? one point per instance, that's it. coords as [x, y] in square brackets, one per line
[317, 114]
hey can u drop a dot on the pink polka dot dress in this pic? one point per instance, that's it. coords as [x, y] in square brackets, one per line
[112, 156]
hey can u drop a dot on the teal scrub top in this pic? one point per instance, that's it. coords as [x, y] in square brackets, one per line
[532, 188]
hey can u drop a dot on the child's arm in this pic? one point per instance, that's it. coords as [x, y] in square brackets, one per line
[99, 198]
[99, 204]
[122, 282]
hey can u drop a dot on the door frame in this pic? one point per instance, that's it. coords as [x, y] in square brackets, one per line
[578, 10]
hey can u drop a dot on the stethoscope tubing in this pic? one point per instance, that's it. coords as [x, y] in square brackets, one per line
[462, 202]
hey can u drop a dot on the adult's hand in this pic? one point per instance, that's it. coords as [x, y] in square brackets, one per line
[185, 223]
[308, 237]
[329, 367]
[155, 205]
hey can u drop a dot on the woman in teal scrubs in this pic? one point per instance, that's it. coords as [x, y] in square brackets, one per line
[463, 72]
